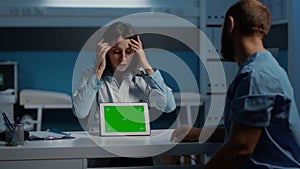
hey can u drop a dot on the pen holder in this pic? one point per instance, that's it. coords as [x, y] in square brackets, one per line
[15, 138]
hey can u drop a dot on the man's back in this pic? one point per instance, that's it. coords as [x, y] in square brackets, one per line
[262, 96]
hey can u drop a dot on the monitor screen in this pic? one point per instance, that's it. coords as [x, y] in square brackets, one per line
[124, 119]
[7, 76]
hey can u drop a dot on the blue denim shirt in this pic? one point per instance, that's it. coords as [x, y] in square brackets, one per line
[262, 96]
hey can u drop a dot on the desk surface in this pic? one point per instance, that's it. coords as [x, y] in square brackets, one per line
[94, 146]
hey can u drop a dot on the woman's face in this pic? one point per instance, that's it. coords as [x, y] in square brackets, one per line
[121, 55]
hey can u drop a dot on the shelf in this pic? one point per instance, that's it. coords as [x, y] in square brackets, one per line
[279, 22]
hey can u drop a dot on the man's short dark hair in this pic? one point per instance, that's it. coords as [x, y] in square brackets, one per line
[251, 17]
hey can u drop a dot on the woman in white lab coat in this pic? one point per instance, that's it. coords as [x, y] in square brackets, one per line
[121, 73]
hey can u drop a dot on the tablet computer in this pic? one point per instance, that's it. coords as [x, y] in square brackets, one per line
[124, 119]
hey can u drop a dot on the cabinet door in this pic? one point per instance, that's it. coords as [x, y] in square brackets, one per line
[43, 164]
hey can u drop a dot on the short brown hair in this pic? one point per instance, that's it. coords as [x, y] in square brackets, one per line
[252, 17]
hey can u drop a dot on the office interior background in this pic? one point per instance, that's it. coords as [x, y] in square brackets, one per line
[44, 38]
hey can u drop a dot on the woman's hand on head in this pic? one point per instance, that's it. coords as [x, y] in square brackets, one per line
[102, 49]
[137, 46]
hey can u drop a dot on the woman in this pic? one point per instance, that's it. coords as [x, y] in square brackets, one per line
[121, 73]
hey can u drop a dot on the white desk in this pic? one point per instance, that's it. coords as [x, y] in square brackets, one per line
[73, 153]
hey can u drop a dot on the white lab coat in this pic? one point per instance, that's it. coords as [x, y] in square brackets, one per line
[92, 91]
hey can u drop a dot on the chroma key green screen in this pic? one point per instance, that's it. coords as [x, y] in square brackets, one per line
[124, 119]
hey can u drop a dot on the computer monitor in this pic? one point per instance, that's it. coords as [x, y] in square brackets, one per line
[8, 89]
[8, 81]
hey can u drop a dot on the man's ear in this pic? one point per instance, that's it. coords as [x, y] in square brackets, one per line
[231, 24]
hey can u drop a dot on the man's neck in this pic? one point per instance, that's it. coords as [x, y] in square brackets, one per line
[247, 47]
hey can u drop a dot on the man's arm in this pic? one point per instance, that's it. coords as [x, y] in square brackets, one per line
[240, 146]
[187, 133]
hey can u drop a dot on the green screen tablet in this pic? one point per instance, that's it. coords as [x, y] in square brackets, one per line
[124, 119]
